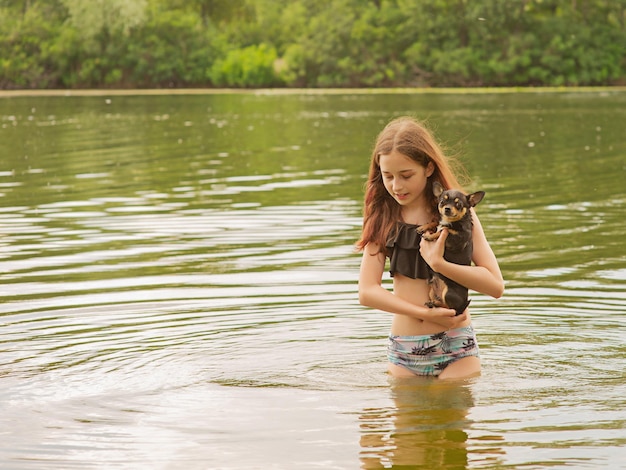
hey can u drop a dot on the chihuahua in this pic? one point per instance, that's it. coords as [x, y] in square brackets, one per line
[454, 212]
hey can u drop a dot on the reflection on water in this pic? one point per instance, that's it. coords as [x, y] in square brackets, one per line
[179, 285]
[425, 427]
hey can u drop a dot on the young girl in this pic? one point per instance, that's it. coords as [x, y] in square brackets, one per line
[399, 197]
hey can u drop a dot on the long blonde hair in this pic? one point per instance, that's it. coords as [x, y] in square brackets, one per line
[411, 138]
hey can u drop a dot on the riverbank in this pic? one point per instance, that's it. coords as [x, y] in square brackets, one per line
[303, 91]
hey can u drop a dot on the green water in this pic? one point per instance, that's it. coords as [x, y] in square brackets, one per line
[179, 284]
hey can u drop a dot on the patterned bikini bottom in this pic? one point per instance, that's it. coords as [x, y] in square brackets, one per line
[429, 355]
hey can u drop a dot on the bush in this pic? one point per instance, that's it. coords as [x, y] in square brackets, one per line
[25, 60]
[310, 43]
[252, 66]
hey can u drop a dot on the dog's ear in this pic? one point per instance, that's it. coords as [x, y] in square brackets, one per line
[437, 189]
[475, 198]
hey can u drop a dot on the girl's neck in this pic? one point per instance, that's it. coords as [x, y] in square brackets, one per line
[416, 216]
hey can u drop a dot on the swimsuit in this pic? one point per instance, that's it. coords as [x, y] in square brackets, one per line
[403, 249]
[426, 355]
[429, 355]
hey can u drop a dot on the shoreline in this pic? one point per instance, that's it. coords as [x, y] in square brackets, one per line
[300, 91]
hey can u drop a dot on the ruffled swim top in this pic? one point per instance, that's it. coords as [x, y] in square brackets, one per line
[403, 250]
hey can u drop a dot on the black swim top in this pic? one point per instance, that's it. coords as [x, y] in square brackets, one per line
[403, 250]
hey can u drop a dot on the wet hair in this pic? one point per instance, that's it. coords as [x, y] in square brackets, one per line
[411, 138]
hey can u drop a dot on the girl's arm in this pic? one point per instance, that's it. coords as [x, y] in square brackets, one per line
[373, 294]
[484, 276]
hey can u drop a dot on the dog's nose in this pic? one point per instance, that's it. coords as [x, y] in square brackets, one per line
[448, 211]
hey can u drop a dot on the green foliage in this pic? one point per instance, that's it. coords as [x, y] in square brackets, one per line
[311, 43]
[27, 48]
[98, 18]
[174, 48]
[252, 66]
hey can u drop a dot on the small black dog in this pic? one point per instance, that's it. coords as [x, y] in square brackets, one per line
[454, 211]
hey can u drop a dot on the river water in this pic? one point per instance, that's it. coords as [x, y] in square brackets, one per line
[179, 284]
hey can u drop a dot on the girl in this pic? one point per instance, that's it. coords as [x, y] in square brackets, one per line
[399, 197]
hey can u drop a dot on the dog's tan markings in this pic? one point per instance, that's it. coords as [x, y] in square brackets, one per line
[437, 294]
[444, 293]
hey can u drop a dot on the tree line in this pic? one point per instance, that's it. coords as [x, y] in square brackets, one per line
[311, 43]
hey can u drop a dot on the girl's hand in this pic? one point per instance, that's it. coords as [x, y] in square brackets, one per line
[446, 317]
[432, 252]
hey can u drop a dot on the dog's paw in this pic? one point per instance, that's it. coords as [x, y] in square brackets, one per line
[426, 228]
[431, 236]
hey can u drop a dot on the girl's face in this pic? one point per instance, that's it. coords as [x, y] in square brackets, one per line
[404, 178]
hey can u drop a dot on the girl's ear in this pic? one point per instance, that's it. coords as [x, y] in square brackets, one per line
[430, 169]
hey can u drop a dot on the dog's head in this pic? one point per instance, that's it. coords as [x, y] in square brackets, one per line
[453, 204]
